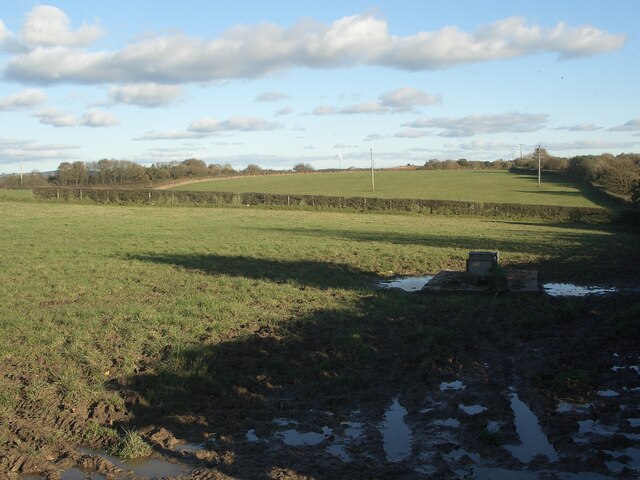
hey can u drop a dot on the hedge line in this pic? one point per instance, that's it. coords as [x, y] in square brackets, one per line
[319, 202]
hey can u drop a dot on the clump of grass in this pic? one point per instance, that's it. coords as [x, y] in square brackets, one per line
[131, 445]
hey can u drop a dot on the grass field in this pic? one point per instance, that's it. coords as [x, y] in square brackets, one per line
[231, 308]
[467, 185]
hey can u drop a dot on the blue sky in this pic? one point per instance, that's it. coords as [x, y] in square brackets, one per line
[278, 83]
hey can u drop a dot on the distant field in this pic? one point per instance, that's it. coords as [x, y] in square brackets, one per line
[475, 186]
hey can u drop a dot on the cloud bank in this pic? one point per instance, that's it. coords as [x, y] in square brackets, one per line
[54, 53]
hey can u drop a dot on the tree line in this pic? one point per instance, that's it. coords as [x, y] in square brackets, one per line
[619, 174]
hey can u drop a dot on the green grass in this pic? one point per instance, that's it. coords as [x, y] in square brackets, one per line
[237, 303]
[467, 185]
[16, 194]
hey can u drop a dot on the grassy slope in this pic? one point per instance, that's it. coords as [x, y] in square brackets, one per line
[90, 293]
[468, 185]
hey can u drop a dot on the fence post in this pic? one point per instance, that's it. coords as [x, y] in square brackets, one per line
[58, 194]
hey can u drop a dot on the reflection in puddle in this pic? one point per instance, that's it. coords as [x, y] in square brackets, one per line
[449, 422]
[79, 474]
[408, 284]
[566, 407]
[571, 290]
[189, 447]
[145, 468]
[457, 385]
[396, 435]
[472, 409]
[251, 436]
[533, 440]
[607, 393]
[294, 438]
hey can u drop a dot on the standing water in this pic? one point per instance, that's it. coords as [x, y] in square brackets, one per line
[533, 440]
[408, 284]
[396, 435]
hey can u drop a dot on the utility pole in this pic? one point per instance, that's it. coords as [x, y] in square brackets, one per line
[539, 165]
[521, 154]
[21, 169]
[373, 182]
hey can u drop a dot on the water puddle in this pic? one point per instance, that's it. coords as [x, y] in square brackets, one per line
[80, 474]
[472, 409]
[189, 447]
[294, 438]
[533, 440]
[449, 423]
[607, 393]
[456, 385]
[396, 435]
[572, 290]
[408, 284]
[145, 468]
[627, 458]
[251, 436]
[567, 407]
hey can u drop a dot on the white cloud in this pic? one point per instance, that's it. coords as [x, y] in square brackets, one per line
[56, 118]
[581, 127]
[284, 111]
[271, 97]
[207, 127]
[98, 118]
[148, 95]
[23, 100]
[411, 133]
[324, 110]
[372, 137]
[245, 124]
[630, 126]
[484, 145]
[257, 50]
[366, 107]
[482, 123]
[406, 98]
[591, 144]
[30, 150]
[170, 135]
[395, 101]
[47, 26]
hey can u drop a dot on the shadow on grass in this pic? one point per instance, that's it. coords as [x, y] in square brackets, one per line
[330, 360]
[302, 272]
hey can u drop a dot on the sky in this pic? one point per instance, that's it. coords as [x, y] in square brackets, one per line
[327, 83]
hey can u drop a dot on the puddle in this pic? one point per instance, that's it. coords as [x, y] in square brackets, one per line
[629, 457]
[589, 428]
[449, 422]
[566, 407]
[607, 393]
[571, 290]
[145, 468]
[353, 431]
[251, 436]
[533, 440]
[634, 422]
[294, 438]
[472, 409]
[189, 447]
[457, 385]
[408, 284]
[80, 474]
[396, 435]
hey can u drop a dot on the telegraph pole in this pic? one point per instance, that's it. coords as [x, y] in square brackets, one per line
[521, 154]
[373, 182]
[539, 165]
[21, 169]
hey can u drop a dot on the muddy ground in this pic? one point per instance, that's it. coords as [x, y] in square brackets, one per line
[320, 414]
